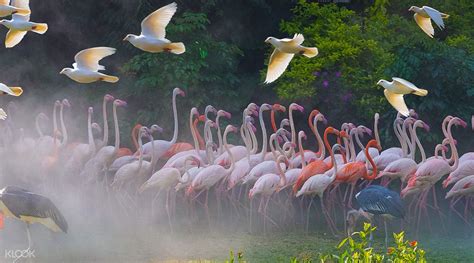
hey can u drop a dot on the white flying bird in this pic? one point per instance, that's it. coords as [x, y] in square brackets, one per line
[86, 68]
[423, 18]
[6, 9]
[395, 90]
[19, 25]
[284, 51]
[12, 91]
[152, 38]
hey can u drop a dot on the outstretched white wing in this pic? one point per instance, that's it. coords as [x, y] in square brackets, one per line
[3, 114]
[154, 24]
[279, 61]
[14, 37]
[89, 58]
[425, 24]
[435, 15]
[397, 101]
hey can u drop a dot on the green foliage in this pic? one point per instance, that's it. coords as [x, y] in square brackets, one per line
[356, 49]
[355, 248]
[239, 258]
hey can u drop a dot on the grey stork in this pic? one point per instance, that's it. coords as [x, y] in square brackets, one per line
[376, 200]
[30, 208]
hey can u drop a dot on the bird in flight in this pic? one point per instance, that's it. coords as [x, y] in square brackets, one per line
[20, 24]
[86, 68]
[152, 38]
[395, 90]
[284, 51]
[6, 9]
[424, 15]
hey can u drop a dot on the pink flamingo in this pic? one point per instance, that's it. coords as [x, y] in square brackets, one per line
[462, 188]
[212, 174]
[317, 184]
[266, 185]
[162, 146]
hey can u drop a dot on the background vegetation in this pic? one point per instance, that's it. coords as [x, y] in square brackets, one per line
[359, 43]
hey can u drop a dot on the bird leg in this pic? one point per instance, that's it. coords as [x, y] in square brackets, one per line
[168, 210]
[329, 221]
[307, 214]
[386, 232]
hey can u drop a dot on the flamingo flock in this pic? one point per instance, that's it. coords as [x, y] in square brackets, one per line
[270, 166]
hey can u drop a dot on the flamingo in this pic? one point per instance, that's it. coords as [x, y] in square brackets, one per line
[317, 184]
[166, 179]
[266, 185]
[353, 171]
[212, 174]
[161, 146]
[82, 152]
[107, 98]
[310, 156]
[462, 188]
[107, 154]
[317, 166]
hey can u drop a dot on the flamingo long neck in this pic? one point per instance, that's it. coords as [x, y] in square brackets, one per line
[264, 133]
[357, 137]
[37, 125]
[231, 156]
[63, 127]
[198, 135]
[135, 133]
[193, 133]
[418, 143]
[371, 161]
[397, 129]
[321, 149]
[333, 160]
[253, 140]
[117, 131]
[300, 146]
[175, 117]
[272, 145]
[326, 142]
[453, 147]
[140, 148]
[209, 151]
[89, 134]
[292, 125]
[55, 122]
[247, 143]
[376, 129]
[352, 146]
[272, 119]
[410, 143]
[281, 173]
[105, 140]
[243, 129]
[154, 158]
[219, 135]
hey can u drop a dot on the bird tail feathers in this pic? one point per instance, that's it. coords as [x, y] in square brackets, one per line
[40, 28]
[443, 15]
[310, 52]
[176, 48]
[421, 92]
[110, 79]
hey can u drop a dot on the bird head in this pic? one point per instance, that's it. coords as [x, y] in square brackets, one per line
[412, 8]
[156, 128]
[129, 37]
[382, 83]
[121, 103]
[108, 97]
[91, 110]
[66, 71]
[66, 103]
[270, 39]
[178, 91]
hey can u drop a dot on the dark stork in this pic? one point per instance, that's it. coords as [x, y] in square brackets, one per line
[376, 200]
[30, 208]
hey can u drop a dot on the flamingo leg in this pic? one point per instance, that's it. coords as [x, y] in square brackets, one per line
[307, 214]
[168, 210]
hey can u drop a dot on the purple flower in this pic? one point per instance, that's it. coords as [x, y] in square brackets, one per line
[338, 74]
[325, 83]
[316, 73]
[347, 97]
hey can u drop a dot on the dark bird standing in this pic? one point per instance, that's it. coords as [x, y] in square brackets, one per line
[31, 208]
